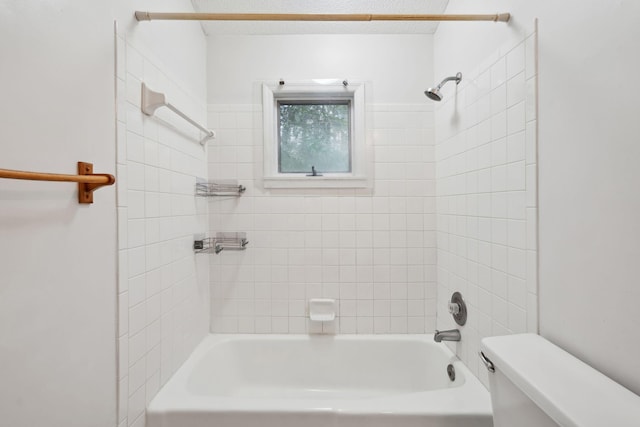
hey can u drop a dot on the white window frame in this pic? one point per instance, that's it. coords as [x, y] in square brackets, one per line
[314, 91]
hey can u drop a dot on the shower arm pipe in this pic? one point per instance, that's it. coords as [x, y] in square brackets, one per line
[195, 16]
[87, 181]
[152, 100]
[457, 78]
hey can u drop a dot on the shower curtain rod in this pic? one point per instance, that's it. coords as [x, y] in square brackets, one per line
[153, 16]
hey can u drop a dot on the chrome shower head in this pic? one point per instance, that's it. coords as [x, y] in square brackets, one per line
[435, 94]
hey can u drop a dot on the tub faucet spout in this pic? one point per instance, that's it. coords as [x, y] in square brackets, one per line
[450, 335]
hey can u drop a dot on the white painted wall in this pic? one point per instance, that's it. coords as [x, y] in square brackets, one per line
[373, 250]
[399, 66]
[58, 288]
[57, 258]
[588, 200]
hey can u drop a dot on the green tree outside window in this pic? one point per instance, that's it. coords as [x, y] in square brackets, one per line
[314, 134]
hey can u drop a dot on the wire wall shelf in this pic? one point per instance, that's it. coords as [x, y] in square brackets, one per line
[224, 241]
[219, 189]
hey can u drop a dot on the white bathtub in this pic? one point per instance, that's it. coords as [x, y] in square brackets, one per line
[320, 381]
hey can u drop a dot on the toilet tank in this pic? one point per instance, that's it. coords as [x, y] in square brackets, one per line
[536, 383]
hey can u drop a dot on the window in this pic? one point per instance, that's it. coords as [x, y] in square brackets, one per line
[314, 135]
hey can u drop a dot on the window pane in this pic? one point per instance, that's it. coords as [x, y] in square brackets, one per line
[314, 134]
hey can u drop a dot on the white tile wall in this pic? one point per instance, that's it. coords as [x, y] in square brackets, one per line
[487, 198]
[372, 250]
[163, 288]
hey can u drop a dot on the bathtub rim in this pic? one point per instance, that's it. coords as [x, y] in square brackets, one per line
[175, 397]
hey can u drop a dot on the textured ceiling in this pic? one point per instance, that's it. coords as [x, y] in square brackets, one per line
[320, 6]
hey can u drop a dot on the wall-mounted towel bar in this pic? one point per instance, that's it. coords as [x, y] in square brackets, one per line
[87, 181]
[152, 100]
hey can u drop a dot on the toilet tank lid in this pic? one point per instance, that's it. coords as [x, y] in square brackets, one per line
[565, 388]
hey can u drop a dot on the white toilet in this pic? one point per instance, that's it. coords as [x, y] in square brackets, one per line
[534, 383]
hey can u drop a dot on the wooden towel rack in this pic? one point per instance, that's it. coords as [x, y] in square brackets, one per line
[87, 181]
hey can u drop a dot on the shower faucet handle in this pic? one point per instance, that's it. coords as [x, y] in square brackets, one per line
[454, 308]
[458, 309]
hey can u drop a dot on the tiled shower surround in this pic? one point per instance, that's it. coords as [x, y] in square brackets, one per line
[162, 287]
[373, 250]
[452, 206]
[486, 157]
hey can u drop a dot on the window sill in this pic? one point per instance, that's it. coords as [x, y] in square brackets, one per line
[316, 182]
